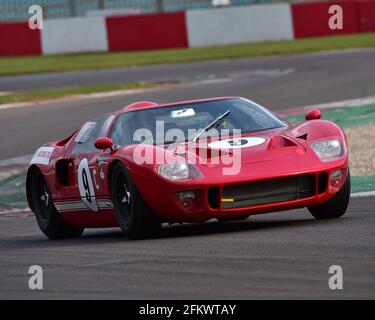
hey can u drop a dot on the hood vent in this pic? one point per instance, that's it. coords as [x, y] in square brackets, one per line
[303, 137]
[278, 142]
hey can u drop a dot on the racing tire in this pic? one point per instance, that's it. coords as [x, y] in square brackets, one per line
[47, 216]
[335, 207]
[135, 218]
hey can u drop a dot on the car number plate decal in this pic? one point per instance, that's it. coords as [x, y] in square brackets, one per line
[245, 142]
[86, 186]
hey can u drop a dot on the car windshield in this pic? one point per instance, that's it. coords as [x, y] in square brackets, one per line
[182, 122]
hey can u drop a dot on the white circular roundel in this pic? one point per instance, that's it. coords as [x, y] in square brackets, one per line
[86, 187]
[245, 142]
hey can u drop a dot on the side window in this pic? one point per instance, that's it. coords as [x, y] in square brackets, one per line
[90, 131]
[123, 130]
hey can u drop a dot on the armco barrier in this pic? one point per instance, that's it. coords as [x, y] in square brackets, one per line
[17, 39]
[311, 19]
[143, 32]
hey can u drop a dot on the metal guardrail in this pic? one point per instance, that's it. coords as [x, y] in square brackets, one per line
[18, 9]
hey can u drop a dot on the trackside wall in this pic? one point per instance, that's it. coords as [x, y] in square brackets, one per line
[192, 28]
[239, 24]
[74, 35]
[17, 39]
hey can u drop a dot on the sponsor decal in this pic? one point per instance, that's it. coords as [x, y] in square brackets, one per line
[42, 155]
[182, 113]
[237, 143]
[86, 186]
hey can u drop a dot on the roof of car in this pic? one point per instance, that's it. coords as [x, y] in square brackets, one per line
[150, 104]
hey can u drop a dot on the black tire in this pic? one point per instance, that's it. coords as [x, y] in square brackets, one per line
[48, 218]
[335, 207]
[233, 219]
[134, 216]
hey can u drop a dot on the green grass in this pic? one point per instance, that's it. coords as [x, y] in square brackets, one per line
[91, 61]
[71, 91]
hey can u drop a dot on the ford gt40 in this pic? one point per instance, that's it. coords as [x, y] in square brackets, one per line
[222, 158]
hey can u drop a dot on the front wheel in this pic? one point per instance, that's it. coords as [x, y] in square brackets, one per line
[48, 218]
[134, 216]
[335, 207]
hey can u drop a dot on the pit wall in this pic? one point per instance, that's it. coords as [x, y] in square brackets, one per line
[192, 28]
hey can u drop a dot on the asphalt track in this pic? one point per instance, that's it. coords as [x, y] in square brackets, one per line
[280, 255]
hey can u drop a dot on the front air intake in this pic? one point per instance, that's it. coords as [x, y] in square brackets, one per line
[268, 191]
[214, 197]
[322, 182]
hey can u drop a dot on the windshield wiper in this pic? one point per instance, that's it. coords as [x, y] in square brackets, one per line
[212, 124]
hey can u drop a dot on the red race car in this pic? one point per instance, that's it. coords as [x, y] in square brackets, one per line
[224, 158]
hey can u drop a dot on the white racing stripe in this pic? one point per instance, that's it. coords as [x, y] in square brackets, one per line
[78, 205]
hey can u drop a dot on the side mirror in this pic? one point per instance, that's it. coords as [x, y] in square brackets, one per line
[104, 143]
[313, 114]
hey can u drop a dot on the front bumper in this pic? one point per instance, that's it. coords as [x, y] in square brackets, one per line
[216, 199]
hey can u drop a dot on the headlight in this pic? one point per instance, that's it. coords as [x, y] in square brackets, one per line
[327, 149]
[179, 171]
[174, 171]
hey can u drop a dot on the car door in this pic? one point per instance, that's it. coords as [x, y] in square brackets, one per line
[90, 187]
